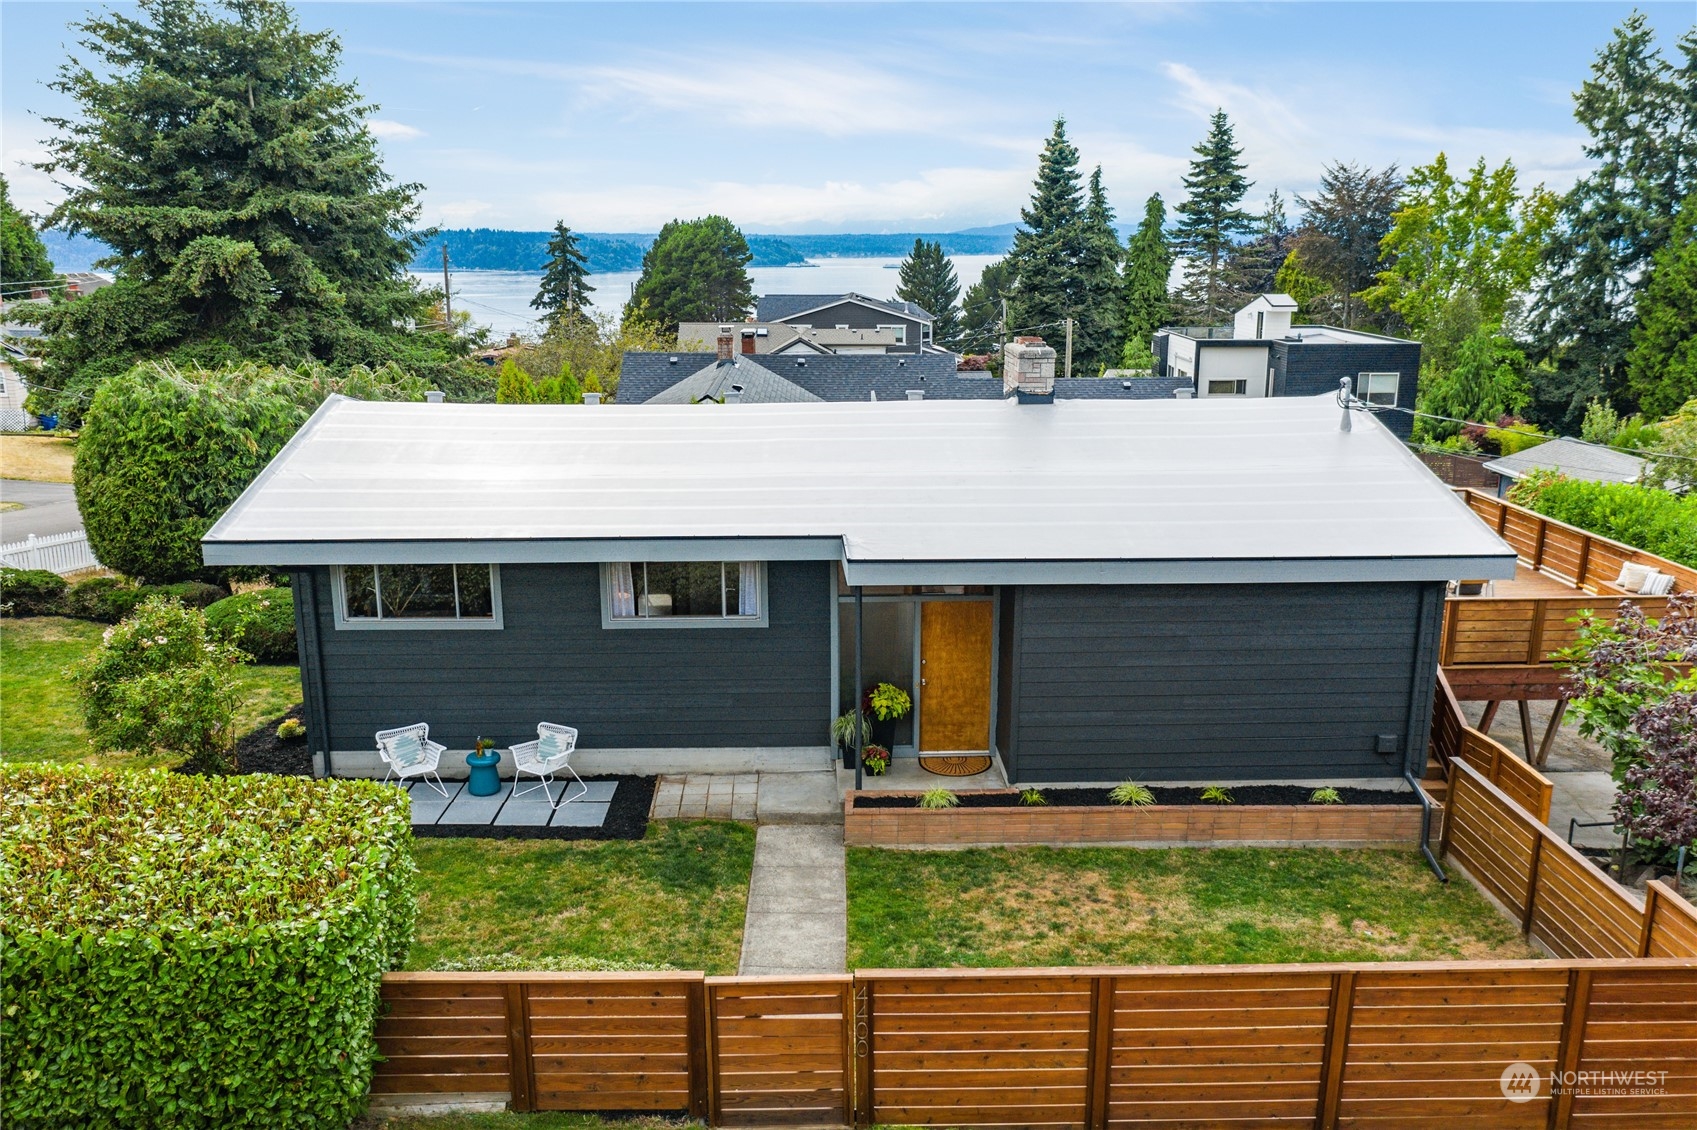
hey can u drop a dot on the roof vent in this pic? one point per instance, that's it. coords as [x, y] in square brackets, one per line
[1125, 384]
[734, 395]
[1182, 393]
[801, 361]
[592, 398]
[671, 360]
[434, 396]
[916, 394]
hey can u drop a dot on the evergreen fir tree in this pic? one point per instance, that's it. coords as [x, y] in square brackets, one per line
[1639, 113]
[981, 313]
[23, 258]
[514, 385]
[695, 271]
[1049, 246]
[1662, 366]
[219, 153]
[1211, 220]
[1255, 262]
[927, 279]
[1148, 265]
[1098, 334]
[565, 288]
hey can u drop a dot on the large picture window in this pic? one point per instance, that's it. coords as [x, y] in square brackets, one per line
[417, 596]
[684, 593]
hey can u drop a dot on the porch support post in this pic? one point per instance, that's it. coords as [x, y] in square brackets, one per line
[859, 686]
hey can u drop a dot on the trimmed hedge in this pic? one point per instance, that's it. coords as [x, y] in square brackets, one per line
[261, 623]
[111, 599]
[195, 951]
[31, 592]
[1655, 520]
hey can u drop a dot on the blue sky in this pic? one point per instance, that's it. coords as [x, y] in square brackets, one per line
[889, 117]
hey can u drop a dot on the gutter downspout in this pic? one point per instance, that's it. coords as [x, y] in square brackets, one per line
[859, 697]
[1425, 825]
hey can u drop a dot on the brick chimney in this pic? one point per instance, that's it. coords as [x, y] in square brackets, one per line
[748, 340]
[725, 343]
[1028, 370]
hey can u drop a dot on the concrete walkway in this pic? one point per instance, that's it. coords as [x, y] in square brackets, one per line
[766, 798]
[1578, 769]
[797, 902]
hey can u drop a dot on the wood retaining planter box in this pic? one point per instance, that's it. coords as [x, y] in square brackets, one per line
[1240, 825]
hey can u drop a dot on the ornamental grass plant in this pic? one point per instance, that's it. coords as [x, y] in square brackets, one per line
[195, 951]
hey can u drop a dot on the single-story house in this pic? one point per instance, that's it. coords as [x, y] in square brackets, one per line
[1572, 458]
[1201, 590]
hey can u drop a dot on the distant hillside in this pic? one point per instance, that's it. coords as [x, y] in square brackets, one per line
[72, 252]
[492, 249]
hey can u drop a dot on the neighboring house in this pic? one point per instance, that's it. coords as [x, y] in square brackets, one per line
[1262, 354]
[14, 390]
[660, 378]
[824, 323]
[1164, 590]
[1572, 458]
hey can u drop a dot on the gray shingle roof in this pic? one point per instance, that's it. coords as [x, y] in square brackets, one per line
[779, 307]
[846, 377]
[759, 385]
[1574, 458]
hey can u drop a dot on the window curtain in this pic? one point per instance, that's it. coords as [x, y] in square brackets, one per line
[624, 591]
[748, 589]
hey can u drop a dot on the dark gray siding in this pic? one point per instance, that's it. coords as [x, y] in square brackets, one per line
[1216, 682]
[1310, 370]
[858, 317]
[553, 661]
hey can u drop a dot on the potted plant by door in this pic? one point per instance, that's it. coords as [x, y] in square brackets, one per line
[876, 761]
[887, 704]
[842, 732]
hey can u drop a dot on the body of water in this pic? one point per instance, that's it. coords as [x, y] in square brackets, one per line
[500, 300]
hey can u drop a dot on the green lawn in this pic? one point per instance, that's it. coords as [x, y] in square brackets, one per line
[676, 897]
[39, 718]
[1189, 906]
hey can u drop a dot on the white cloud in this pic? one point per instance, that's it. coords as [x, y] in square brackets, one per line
[31, 190]
[454, 212]
[392, 131]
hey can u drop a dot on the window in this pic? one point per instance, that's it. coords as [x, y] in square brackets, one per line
[683, 594]
[1378, 389]
[901, 332]
[1228, 388]
[1260, 323]
[417, 596]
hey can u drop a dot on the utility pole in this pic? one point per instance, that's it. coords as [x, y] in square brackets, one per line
[1002, 331]
[1069, 347]
[447, 292]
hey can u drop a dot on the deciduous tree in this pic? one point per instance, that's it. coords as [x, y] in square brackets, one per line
[1342, 230]
[23, 258]
[219, 153]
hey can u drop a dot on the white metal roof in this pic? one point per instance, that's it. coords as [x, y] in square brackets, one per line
[915, 492]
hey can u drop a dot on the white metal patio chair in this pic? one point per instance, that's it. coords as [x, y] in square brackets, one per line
[548, 754]
[409, 752]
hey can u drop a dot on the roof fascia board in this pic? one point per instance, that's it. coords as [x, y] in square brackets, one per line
[521, 551]
[1217, 572]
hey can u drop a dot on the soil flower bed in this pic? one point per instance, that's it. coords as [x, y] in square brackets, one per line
[1242, 796]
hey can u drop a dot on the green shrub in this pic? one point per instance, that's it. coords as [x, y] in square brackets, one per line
[1216, 794]
[105, 599]
[1653, 520]
[938, 798]
[261, 623]
[1132, 793]
[162, 681]
[31, 592]
[1032, 798]
[291, 729]
[190, 594]
[195, 951]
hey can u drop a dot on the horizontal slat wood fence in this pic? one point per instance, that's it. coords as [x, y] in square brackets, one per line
[1454, 740]
[1383, 1045]
[1530, 631]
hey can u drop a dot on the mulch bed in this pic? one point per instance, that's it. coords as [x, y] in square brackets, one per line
[261, 751]
[1098, 798]
[627, 819]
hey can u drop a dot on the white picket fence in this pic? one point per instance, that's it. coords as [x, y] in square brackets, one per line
[60, 553]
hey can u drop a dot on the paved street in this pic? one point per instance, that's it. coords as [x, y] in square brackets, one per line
[49, 508]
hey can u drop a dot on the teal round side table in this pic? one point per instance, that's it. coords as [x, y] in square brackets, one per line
[485, 779]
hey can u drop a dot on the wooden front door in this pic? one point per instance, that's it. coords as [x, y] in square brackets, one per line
[954, 676]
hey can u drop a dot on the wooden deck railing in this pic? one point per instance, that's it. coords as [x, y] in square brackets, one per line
[1529, 631]
[1454, 740]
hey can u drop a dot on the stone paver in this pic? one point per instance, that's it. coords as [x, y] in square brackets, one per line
[797, 919]
[767, 797]
[1587, 797]
[504, 810]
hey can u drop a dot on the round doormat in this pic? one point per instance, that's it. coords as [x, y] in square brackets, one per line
[958, 766]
